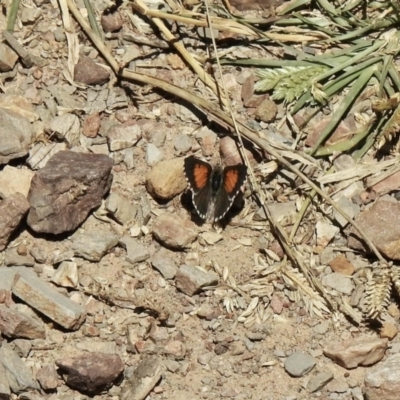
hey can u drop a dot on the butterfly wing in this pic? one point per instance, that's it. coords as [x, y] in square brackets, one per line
[198, 174]
[233, 178]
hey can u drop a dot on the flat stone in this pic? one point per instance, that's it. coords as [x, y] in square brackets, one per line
[18, 374]
[42, 297]
[339, 282]
[164, 264]
[279, 211]
[381, 223]
[15, 180]
[19, 105]
[383, 380]
[299, 364]
[7, 278]
[66, 127]
[166, 179]
[174, 232]
[12, 211]
[190, 280]
[121, 208]
[91, 372]
[40, 154]
[93, 245]
[318, 381]
[144, 378]
[64, 192]
[5, 392]
[15, 324]
[153, 154]
[47, 377]
[12, 258]
[355, 352]
[348, 207]
[88, 72]
[182, 143]
[124, 136]
[325, 232]
[136, 251]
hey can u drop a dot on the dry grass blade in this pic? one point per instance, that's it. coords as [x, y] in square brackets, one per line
[314, 303]
[72, 37]
[202, 74]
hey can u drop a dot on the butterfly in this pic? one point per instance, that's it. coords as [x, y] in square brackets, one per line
[213, 189]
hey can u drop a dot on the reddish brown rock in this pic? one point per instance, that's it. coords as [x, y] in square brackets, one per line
[64, 192]
[112, 22]
[266, 111]
[88, 72]
[174, 232]
[12, 211]
[91, 125]
[381, 223]
[91, 372]
[342, 265]
[354, 352]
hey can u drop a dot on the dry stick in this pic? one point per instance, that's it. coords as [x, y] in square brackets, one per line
[138, 5]
[213, 112]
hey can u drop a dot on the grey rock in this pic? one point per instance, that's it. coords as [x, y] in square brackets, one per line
[93, 245]
[279, 211]
[158, 138]
[7, 278]
[153, 154]
[22, 347]
[39, 253]
[338, 282]
[318, 381]
[13, 258]
[164, 264]
[348, 207]
[136, 251]
[122, 209]
[190, 280]
[19, 377]
[5, 392]
[123, 136]
[64, 192]
[42, 297]
[299, 364]
[182, 144]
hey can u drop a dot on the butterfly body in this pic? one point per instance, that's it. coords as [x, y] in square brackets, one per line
[213, 189]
